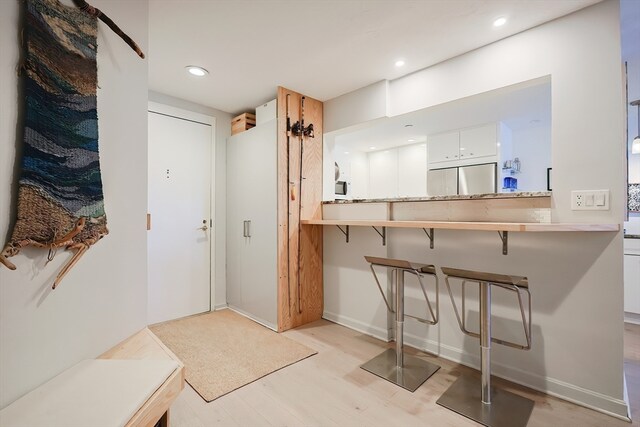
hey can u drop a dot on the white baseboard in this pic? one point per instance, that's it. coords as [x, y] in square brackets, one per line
[255, 319]
[356, 325]
[590, 399]
[632, 318]
[220, 307]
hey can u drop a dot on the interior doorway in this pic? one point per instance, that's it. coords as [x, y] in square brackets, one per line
[181, 234]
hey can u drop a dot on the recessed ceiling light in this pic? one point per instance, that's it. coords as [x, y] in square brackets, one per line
[346, 152]
[399, 62]
[411, 140]
[500, 22]
[372, 148]
[196, 71]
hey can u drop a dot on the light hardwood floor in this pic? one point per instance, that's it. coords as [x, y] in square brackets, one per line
[330, 389]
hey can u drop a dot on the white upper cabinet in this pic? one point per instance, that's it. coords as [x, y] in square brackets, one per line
[479, 141]
[463, 145]
[443, 147]
[412, 170]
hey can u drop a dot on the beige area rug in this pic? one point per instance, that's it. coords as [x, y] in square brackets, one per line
[223, 351]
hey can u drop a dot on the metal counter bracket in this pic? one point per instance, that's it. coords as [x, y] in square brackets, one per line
[504, 236]
[383, 234]
[430, 235]
[345, 232]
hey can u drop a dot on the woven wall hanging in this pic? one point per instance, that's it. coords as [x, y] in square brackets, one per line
[60, 198]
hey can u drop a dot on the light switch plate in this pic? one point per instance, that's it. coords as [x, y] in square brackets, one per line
[590, 200]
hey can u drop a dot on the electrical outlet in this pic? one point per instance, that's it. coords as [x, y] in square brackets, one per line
[590, 200]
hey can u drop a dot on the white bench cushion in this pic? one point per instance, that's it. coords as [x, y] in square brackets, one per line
[97, 393]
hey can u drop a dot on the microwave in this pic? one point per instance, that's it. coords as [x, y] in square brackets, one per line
[341, 189]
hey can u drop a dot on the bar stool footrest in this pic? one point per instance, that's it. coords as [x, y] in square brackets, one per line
[414, 372]
[505, 410]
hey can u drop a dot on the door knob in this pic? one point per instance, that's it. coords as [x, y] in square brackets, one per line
[204, 225]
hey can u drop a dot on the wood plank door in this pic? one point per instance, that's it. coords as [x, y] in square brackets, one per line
[179, 241]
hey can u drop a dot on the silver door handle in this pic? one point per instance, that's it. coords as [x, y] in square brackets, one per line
[248, 228]
[203, 228]
[246, 232]
[244, 228]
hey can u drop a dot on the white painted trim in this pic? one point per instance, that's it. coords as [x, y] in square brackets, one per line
[254, 318]
[221, 307]
[356, 325]
[155, 107]
[632, 318]
[169, 110]
[590, 399]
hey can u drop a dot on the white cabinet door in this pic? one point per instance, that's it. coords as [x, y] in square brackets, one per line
[235, 240]
[252, 223]
[412, 170]
[479, 142]
[260, 205]
[383, 174]
[443, 147]
[632, 284]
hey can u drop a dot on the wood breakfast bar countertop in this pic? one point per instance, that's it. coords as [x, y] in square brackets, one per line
[503, 228]
[468, 225]
[500, 212]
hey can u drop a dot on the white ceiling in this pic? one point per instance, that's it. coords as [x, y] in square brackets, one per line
[520, 106]
[322, 48]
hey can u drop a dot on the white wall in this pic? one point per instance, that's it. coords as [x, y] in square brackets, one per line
[383, 174]
[359, 175]
[362, 105]
[532, 146]
[575, 278]
[103, 299]
[223, 131]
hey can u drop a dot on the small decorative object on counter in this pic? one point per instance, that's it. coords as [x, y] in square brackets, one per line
[244, 121]
[515, 167]
[511, 166]
[510, 183]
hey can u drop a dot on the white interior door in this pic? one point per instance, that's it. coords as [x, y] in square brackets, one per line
[179, 241]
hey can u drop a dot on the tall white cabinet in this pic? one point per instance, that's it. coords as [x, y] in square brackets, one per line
[252, 223]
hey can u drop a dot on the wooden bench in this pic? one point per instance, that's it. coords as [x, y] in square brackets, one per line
[132, 385]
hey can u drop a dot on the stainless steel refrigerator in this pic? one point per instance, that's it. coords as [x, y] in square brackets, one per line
[474, 179]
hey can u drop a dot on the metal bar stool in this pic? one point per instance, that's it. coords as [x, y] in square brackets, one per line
[479, 400]
[393, 365]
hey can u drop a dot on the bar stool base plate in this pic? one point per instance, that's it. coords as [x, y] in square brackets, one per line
[415, 371]
[506, 409]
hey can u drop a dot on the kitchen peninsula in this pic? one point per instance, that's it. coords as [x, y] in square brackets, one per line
[501, 212]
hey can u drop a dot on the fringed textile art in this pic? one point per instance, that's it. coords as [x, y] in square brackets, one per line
[60, 198]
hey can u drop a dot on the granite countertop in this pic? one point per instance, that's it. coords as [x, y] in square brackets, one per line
[521, 194]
